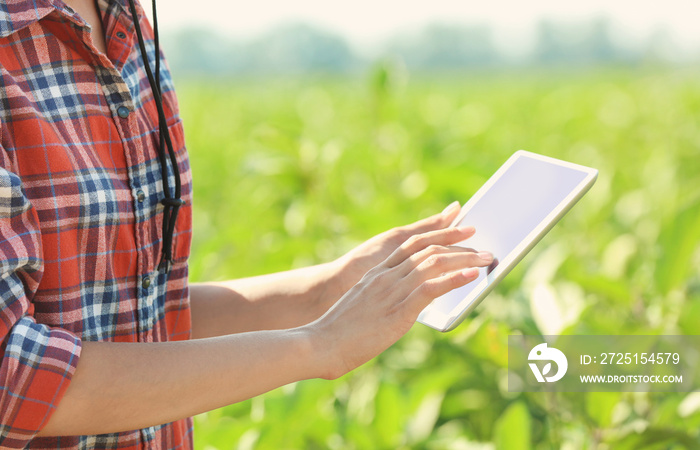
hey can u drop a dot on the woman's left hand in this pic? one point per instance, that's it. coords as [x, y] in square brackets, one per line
[351, 267]
[300, 296]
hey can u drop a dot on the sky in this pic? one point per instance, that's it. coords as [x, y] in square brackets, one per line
[368, 23]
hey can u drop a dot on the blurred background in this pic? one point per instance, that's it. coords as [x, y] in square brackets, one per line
[313, 126]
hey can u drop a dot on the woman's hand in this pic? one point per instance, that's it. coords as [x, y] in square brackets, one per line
[202, 374]
[296, 297]
[385, 303]
[351, 267]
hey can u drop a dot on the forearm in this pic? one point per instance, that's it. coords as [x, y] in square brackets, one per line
[126, 386]
[275, 301]
[118, 386]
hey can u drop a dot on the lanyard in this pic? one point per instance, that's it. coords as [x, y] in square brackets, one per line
[172, 204]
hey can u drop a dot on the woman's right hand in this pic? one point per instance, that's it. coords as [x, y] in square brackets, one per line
[385, 303]
[202, 374]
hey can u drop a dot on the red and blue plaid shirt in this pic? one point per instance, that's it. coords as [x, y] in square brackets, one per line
[80, 218]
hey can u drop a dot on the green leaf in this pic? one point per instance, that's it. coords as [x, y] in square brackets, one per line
[657, 439]
[600, 405]
[389, 416]
[512, 430]
[679, 241]
[423, 421]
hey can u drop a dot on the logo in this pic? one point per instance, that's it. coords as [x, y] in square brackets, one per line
[540, 352]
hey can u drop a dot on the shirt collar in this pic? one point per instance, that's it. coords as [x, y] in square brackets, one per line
[18, 14]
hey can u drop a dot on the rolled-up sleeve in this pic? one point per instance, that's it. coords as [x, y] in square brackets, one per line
[38, 361]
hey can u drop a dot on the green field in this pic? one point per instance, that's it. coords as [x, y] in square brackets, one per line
[295, 172]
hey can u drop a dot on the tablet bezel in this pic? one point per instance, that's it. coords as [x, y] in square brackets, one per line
[442, 321]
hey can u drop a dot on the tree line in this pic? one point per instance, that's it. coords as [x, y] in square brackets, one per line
[303, 48]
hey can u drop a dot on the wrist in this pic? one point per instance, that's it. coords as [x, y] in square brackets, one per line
[328, 285]
[338, 277]
[318, 352]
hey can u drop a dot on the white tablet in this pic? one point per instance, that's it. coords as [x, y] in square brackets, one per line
[516, 207]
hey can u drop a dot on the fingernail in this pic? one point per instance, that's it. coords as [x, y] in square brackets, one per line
[450, 208]
[486, 256]
[466, 230]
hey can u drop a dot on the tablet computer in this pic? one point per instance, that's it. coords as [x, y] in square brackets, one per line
[516, 207]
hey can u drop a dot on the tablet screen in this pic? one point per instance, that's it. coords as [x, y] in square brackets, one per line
[507, 213]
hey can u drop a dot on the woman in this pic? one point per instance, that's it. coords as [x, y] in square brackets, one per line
[101, 332]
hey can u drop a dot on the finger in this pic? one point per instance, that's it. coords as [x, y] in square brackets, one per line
[433, 288]
[437, 259]
[434, 222]
[418, 242]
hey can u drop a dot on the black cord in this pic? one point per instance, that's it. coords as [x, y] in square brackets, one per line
[171, 204]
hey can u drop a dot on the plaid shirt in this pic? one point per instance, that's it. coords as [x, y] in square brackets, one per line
[80, 219]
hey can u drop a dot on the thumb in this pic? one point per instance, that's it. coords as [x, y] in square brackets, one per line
[450, 211]
[434, 222]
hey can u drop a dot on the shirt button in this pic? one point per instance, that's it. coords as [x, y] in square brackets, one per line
[146, 282]
[121, 35]
[123, 112]
[140, 196]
